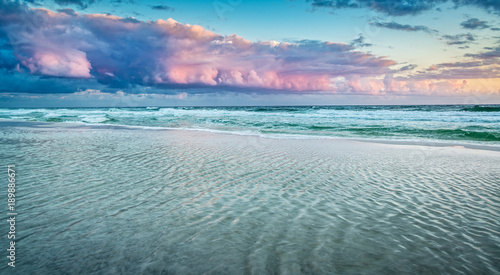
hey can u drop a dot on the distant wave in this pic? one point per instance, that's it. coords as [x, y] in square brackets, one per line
[477, 108]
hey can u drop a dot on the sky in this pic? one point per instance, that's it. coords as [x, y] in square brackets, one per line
[92, 53]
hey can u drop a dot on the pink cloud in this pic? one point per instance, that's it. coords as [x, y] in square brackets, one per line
[165, 52]
[72, 63]
[425, 86]
[124, 52]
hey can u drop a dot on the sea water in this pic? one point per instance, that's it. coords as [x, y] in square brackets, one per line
[471, 124]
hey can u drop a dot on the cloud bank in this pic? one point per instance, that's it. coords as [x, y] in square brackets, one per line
[66, 52]
[124, 52]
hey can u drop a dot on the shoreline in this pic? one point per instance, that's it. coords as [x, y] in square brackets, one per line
[70, 125]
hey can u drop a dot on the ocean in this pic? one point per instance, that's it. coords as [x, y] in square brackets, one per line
[469, 124]
[253, 190]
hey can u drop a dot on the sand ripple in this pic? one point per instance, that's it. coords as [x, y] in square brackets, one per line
[112, 201]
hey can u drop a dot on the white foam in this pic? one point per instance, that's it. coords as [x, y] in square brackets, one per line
[93, 118]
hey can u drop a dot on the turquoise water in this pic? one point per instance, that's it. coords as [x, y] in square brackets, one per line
[100, 199]
[469, 124]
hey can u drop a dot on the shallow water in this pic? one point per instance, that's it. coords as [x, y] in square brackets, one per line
[101, 200]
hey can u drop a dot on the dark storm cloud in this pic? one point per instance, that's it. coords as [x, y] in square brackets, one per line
[15, 82]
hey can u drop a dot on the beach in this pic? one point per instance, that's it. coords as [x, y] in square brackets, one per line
[250, 137]
[104, 199]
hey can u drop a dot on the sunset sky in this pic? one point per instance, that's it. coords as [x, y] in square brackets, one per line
[67, 53]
